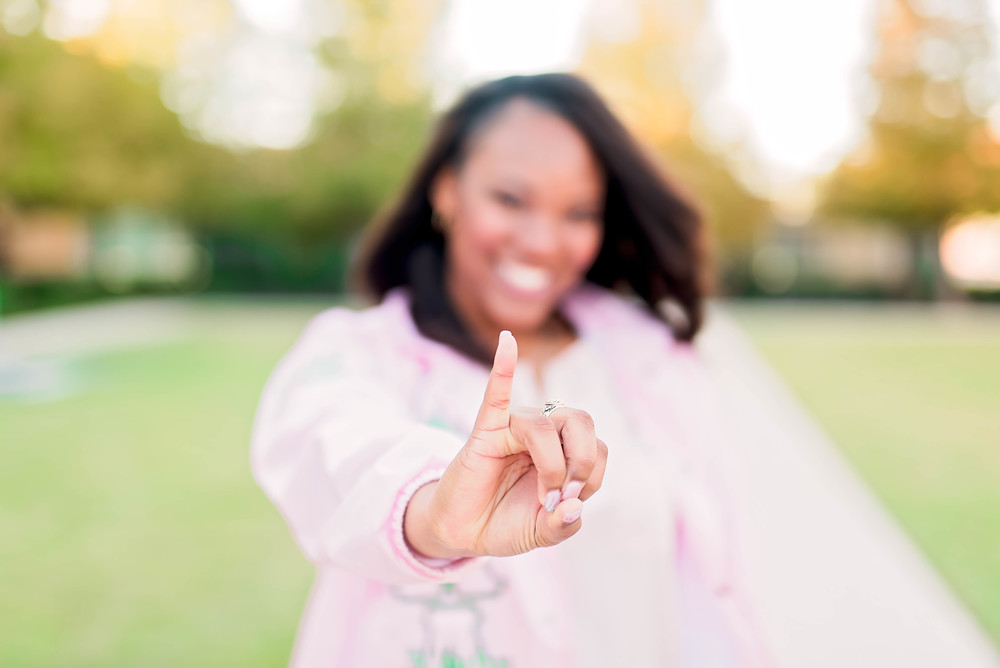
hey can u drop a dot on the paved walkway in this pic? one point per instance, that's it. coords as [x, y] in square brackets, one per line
[838, 582]
[128, 323]
[95, 328]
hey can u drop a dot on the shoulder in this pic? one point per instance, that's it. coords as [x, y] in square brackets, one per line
[369, 323]
[600, 312]
[632, 339]
[367, 339]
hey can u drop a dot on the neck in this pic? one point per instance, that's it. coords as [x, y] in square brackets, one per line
[535, 344]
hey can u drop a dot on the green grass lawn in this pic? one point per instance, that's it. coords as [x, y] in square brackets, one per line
[134, 535]
[912, 397]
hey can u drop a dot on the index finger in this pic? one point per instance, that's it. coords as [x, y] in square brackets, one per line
[494, 413]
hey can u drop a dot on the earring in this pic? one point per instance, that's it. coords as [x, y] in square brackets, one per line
[438, 223]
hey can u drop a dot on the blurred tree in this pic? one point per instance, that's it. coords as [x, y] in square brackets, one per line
[323, 192]
[307, 204]
[75, 134]
[361, 147]
[382, 49]
[929, 153]
[83, 125]
[642, 56]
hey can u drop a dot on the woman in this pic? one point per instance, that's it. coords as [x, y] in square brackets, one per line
[449, 525]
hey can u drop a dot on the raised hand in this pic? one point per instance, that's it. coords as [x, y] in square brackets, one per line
[518, 483]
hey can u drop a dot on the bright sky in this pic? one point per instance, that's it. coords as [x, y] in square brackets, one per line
[792, 73]
[489, 39]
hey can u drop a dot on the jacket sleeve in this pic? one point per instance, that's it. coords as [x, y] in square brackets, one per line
[337, 449]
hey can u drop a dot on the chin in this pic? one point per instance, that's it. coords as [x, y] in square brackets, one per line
[520, 316]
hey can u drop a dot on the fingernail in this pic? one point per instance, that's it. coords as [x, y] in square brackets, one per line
[572, 516]
[572, 490]
[552, 500]
[505, 332]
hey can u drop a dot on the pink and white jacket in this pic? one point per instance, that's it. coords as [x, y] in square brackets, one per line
[363, 410]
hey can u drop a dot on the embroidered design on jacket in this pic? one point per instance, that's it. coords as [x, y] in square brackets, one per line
[452, 622]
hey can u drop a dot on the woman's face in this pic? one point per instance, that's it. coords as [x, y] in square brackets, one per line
[523, 219]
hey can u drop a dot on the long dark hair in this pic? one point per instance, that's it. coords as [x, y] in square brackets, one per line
[653, 239]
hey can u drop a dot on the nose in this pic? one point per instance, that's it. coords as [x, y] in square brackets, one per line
[538, 237]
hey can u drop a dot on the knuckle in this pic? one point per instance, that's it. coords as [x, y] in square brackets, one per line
[524, 413]
[544, 425]
[602, 449]
[503, 373]
[498, 403]
[479, 442]
[585, 462]
[479, 438]
[584, 419]
[550, 475]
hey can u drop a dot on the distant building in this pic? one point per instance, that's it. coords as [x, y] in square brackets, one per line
[44, 246]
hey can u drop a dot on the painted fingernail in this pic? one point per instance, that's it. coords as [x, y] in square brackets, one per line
[572, 516]
[552, 500]
[572, 490]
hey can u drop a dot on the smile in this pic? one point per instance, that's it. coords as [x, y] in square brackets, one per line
[525, 278]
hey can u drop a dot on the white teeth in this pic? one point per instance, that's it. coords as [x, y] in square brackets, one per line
[524, 277]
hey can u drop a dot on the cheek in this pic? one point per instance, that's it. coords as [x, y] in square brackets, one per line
[483, 229]
[473, 248]
[586, 245]
[478, 243]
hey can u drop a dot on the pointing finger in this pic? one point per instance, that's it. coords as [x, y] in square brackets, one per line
[494, 413]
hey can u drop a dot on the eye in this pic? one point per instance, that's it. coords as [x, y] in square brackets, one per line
[508, 200]
[584, 216]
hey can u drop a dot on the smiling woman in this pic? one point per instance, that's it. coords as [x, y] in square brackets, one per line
[426, 501]
[524, 223]
[543, 187]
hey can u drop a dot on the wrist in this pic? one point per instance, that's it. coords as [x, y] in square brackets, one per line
[420, 528]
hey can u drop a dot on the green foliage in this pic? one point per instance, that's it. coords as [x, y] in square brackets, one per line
[918, 177]
[77, 135]
[74, 134]
[733, 213]
[324, 191]
[647, 81]
[929, 154]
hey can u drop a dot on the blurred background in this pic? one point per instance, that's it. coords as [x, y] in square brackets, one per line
[182, 182]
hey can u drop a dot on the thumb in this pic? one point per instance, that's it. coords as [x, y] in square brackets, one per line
[494, 413]
[555, 527]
